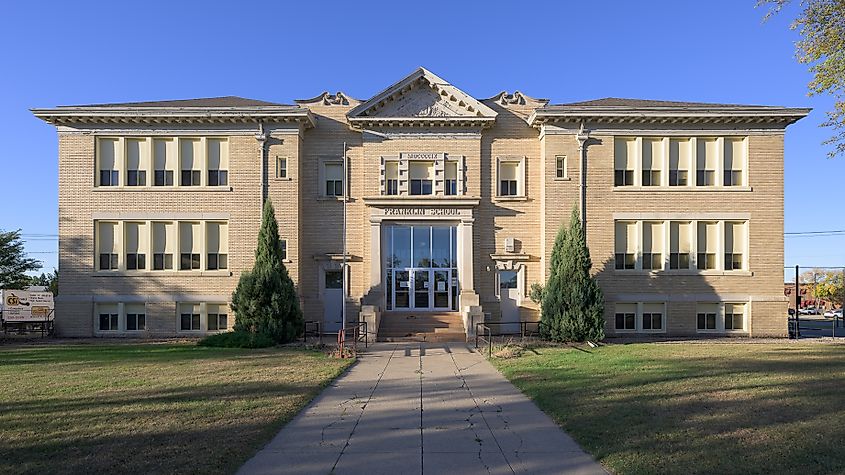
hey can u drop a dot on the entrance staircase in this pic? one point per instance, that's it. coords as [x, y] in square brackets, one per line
[421, 326]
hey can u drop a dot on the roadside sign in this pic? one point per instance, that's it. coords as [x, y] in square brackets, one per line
[26, 306]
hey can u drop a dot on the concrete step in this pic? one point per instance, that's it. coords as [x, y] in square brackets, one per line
[425, 337]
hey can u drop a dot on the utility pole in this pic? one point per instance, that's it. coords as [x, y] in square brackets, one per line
[343, 259]
[797, 302]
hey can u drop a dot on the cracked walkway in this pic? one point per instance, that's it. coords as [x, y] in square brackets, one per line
[415, 408]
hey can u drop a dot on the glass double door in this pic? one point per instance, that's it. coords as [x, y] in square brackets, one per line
[421, 268]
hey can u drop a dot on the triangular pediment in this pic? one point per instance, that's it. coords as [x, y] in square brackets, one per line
[422, 95]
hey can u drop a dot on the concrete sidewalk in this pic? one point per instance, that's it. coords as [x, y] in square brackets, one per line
[421, 408]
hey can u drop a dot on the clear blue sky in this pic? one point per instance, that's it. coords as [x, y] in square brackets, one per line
[59, 53]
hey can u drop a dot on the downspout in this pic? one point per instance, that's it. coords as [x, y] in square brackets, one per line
[261, 137]
[582, 136]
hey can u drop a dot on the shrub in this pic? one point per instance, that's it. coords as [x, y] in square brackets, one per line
[237, 340]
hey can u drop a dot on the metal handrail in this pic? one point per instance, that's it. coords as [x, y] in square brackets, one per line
[356, 337]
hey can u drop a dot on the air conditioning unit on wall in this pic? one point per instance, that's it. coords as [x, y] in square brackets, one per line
[510, 244]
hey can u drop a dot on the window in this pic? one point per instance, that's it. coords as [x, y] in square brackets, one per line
[652, 245]
[163, 245]
[136, 238]
[107, 245]
[189, 246]
[652, 317]
[164, 159]
[508, 178]
[450, 184]
[421, 177]
[108, 156]
[137, 162]
[333, 173]
[217, 237]
[708, 235]
[189, 317]
[281, 167]
[680, 153]
[217, 318]
[626, 317]
[217, 151]
[626, 245]
[652, 162]
[136, 317]
[391, 178]
[334, 279]
[107, 317]
[190, 162]
[705, 174]
[734, 245]
[624, 158]
[560, 167]
[734, 316]
[283, 243]
[680, 237]
[734, 162]
[706, 316]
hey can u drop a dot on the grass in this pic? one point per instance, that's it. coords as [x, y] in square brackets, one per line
[148, 408]
[695, 408]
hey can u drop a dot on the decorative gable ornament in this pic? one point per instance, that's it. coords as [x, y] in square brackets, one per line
[422, 98]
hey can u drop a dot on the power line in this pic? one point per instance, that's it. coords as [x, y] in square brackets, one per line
[815, 233]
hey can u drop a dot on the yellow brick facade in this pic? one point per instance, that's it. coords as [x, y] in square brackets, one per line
[479, 133]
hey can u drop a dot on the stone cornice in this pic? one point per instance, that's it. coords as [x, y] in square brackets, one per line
[174, 115]
[667, 115]
[482, 122]
[393, 201]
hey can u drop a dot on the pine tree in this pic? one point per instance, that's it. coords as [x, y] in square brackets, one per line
[265, 299]
[572, 303]
[13, 261]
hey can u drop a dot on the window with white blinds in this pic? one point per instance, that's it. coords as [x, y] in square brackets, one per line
[705, 173]
[653, 237]
[653, 162]
[680, 158]
[624, 160]
[136, 243]
[626, 245]
[107, 245]
[680, 253]
[708, 242]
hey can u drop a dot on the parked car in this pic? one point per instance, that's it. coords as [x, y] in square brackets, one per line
[834, 313]
[808, 311]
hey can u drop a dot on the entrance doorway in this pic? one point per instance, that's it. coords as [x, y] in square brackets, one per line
[508, 294]
[421, 267]
[332, 300]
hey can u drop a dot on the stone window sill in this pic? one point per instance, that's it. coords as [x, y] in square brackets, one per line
[511, 198]
[686, 272]
[692, 189]
[137, 189]
[162, 273]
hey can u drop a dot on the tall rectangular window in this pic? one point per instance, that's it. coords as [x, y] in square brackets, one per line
[705, 172]
[164, 239]
[136, 317]
[217, 153]
[734, 316]
[680, 235]
[333, 175]
[137, 162]
[450, 184]
[625, 317]
[391, 178]
[189, 317]
[164, 161]
[421, 177]
[508, 178]
[217, 237]
[626, 245]
[652, 317]
[560, 167]
[706, 316]
[624, 158]
[680, 153]
[107, 317]
[283, 243]
[652, 245]
[735, 240]
[190, 156]
[108, 156]
[652, 162]
[217, 317]
[734, 162]
[708, 237]
[136, 239]
[281, 167]
[107, 245]
[189, 246]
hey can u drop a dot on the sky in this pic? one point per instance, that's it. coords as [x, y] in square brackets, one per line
[64, 53]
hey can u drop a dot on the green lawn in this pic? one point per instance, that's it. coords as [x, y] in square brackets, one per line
[695, 408]
[148, 408]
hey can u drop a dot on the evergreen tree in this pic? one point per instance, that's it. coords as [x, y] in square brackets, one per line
[13, 261]
[572, 302]
[265, 299]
